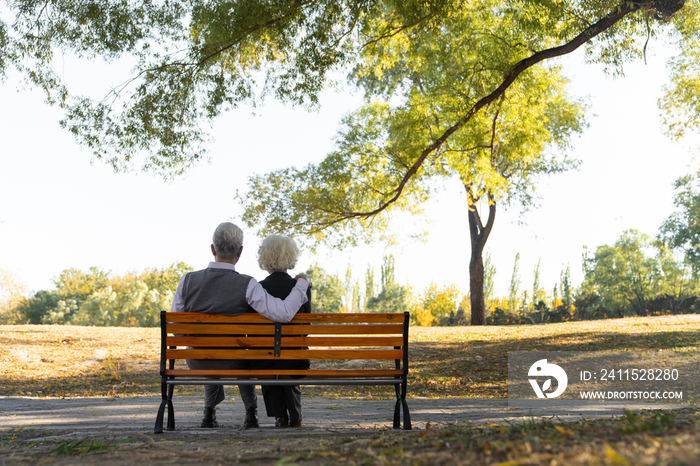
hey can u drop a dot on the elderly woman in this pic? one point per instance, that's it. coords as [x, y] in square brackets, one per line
[276, 255]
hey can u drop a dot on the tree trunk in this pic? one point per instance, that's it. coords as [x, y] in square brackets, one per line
[478, 234]
[476, 288]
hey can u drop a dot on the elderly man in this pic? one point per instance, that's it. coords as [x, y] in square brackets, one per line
[219, 289]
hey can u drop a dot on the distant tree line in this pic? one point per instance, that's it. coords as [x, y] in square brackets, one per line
[96, 297]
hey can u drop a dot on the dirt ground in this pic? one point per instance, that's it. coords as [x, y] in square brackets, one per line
[648, 438]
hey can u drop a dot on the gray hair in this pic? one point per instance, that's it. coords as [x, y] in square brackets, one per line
[278, 253]
[227, 240]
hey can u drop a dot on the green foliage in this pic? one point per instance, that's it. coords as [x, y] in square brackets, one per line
[76, 283]
[623, 275]
[437, 305]
[656, 422]
[83, 446]
[538, 293]
[378, 165]
[567, 290]
[194, 59]
[681, 230]
[96, 298]
[680, 104]
[392, 298]
[12, 298]
[387, 270]
[370, 288]
[489, 280]
[514, 287]
[327, 291]
[676, 282]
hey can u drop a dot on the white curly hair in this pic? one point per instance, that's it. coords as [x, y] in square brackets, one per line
[278, 253]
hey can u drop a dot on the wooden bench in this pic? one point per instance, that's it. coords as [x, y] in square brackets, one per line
[382, 338]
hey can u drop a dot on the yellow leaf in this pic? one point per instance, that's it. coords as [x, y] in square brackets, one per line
[614, 457]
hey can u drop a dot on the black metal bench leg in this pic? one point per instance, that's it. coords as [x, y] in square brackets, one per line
[158, 429]
[166, 402]
[171, 409]
[406, 414]
[397, 409]
[397, 415]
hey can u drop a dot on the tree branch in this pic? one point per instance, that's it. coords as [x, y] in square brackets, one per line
[396, 31]
[602, 25]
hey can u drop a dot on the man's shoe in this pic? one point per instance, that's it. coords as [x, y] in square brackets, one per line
[296, 423]
[282, 422]
[209, 419]
[251, 419]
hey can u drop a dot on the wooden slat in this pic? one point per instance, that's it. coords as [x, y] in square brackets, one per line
[257, 342]
[286, 354]
[286, 372]
[221, 329]
[249, 318]
[253, 317]
[232, 329]
[381, 329]
[396, 318]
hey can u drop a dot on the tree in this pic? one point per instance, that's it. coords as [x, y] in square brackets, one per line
[675, 278]
[370, 289]
[623, 275]
[40, 305]
[566, 289]
[387, 270]
[538, 293]
[327, 292]
[348, 286]
[514, 287]
[392, 296]
[434, 305]
[680, 232]
[489, 282]
[13, 293]
[96, 297]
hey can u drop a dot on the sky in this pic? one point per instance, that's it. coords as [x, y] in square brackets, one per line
[58, 210]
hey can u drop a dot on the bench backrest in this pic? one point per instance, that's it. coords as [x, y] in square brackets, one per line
[367, 336]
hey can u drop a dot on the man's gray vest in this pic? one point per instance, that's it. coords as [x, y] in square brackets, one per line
[216, 291]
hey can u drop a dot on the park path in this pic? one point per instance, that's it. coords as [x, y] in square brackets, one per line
[93, 415]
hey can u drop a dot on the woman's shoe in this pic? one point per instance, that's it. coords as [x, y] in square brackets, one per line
[281, 422]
